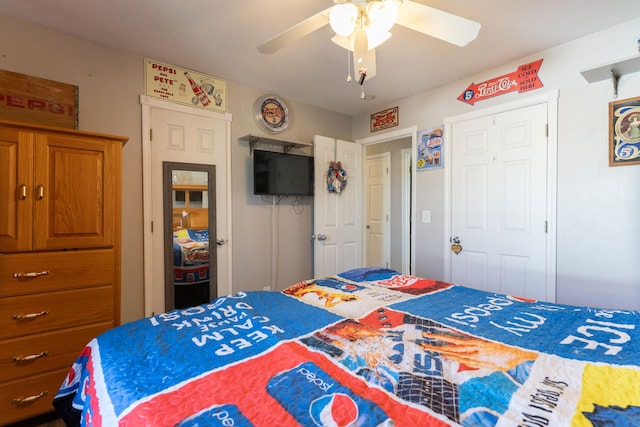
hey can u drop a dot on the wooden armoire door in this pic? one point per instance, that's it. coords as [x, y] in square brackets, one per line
[16, 176]
[74, 204]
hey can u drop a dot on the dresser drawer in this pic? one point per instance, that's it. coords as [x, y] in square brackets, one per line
[20, 357]
[52, 271]
[30, 314]
[30, 396]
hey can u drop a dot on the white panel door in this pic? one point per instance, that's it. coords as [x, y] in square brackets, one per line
[337, 217]
[186, 135]
[378, 210]
[499, 202]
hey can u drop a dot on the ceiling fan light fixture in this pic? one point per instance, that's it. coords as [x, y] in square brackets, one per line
[343, 17]
[375, 37]
[362, 25]
[382, 14]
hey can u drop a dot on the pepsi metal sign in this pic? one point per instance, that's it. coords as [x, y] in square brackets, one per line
[524, 79]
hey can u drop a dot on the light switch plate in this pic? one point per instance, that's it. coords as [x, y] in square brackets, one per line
[426, 217]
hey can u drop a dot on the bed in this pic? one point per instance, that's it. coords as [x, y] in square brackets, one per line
[368, 347]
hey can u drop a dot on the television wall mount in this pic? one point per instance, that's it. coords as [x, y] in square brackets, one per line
[287, 146]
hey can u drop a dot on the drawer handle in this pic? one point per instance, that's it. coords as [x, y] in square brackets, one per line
[19, 359]
[21, 400]
[31, 274]
[40, 191]
[23, 191]
[30, 315]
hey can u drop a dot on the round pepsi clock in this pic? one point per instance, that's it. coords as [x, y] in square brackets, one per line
[271, 113]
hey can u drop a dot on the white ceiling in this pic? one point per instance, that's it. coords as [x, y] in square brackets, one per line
[219, 37]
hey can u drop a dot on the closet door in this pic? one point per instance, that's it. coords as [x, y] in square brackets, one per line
[499, 203]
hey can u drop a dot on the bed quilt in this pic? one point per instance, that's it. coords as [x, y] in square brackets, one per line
[368, 347]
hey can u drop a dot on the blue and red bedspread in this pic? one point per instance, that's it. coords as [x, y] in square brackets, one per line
[369, 347]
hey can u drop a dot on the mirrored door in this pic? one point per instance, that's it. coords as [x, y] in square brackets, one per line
[189, 234]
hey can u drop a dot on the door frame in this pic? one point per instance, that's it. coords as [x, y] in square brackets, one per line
[549, 98]
[148, 103]
[407, 202]
[409, 132]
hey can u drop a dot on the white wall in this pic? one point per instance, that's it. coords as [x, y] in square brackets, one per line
[253, 223]
[598, 207]
[110, 83]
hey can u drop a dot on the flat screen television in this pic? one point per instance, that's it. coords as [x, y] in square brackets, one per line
[282, 174]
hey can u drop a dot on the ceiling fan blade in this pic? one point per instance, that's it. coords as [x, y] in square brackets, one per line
[343, 42]
[437, 23]
[296, 32]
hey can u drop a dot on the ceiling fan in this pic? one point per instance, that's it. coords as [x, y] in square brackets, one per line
[362, 25]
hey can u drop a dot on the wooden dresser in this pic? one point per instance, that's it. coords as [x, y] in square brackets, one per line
[60, 210]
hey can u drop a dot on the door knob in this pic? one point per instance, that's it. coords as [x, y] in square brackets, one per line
[221, 242]
[456, 247]
[321, 237]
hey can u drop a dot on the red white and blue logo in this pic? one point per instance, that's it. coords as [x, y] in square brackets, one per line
[315, 398]
[334, 410]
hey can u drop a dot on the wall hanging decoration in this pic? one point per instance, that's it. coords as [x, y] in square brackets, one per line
[31, 99]
[429, 155]
[624, 132]
[524, 79]
[384, 119]
[336, 178]
[184, 86]
[271, 113]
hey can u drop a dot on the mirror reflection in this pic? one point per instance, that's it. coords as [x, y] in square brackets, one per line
[189, 224]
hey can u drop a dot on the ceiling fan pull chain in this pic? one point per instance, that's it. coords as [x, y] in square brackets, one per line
[348, 65]
[363, 75]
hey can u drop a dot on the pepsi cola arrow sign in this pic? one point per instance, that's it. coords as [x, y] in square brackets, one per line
[524, 79]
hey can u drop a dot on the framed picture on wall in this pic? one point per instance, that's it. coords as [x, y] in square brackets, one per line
[429, 147]
[624, 132]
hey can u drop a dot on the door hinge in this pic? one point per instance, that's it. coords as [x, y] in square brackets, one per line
[546, 226]
[150, 134]
[546, 130]
[152, 226]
